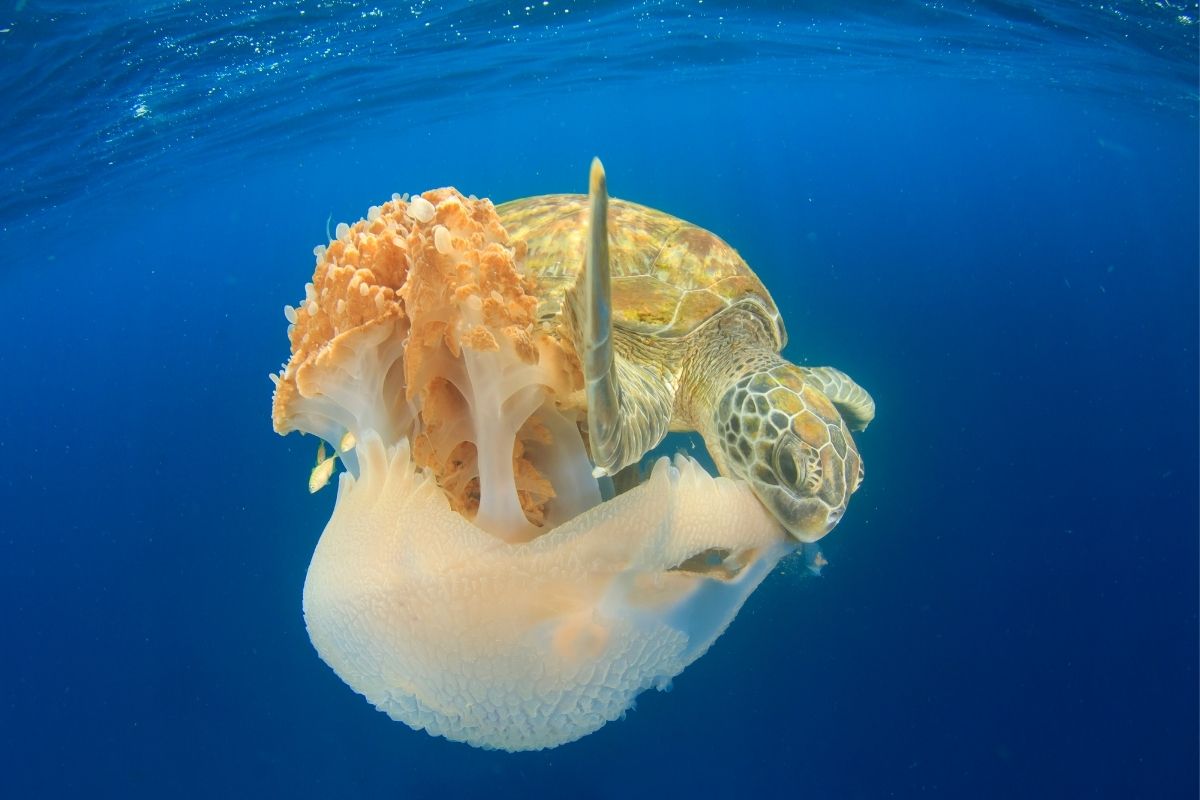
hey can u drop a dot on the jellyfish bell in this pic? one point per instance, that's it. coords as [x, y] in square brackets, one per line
[526, 646]
[471, 582]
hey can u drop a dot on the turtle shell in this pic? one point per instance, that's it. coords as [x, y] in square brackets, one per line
[668, 276]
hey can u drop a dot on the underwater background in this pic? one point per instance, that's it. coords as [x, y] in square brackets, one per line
[985, 212]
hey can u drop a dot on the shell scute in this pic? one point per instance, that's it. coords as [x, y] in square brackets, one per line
[668, 276]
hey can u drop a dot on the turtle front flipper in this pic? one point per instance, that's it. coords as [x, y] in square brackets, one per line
[628, 406]
[852, 401]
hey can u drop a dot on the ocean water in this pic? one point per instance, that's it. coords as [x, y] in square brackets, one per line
[985, 212]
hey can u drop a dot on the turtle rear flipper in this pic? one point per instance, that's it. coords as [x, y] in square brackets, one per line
[629, 405]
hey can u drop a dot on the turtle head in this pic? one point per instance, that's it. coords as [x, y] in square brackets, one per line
[783, 436]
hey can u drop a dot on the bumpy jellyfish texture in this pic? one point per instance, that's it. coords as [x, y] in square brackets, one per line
[470, 582]
[418, 326]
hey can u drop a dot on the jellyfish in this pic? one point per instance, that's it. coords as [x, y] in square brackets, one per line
[475, 579]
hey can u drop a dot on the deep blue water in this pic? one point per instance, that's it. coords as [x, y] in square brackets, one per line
[985, 212]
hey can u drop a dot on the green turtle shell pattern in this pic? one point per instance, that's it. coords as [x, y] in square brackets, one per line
[668, 276]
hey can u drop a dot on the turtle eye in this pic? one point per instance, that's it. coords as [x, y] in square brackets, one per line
[789, 462]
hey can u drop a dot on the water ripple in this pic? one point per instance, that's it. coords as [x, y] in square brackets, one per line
[96, 89]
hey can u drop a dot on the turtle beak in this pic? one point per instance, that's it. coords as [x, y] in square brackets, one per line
[807, 519]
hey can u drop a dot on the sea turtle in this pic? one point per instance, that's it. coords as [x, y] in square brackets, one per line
[675, 332]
